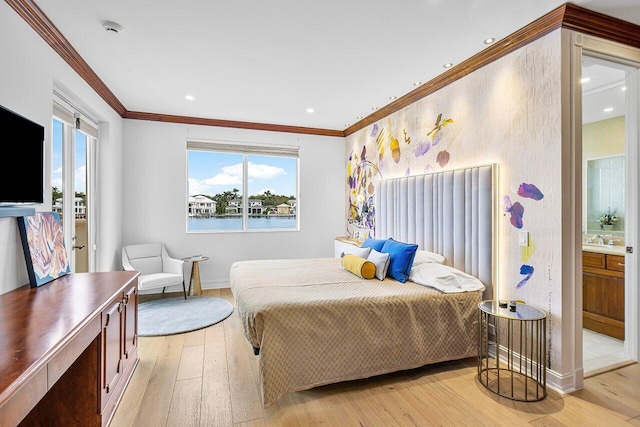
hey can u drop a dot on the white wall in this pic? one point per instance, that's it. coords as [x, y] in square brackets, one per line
[29, 71]
[146, 176]
[507, 112]
[155, 185]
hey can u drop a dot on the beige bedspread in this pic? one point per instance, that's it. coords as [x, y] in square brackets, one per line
[316, 323]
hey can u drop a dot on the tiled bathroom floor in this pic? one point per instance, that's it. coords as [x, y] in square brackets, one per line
[600, 351]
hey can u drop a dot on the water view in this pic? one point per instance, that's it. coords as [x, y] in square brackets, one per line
[235, 223]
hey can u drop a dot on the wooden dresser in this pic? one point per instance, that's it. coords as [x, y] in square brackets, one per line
[603, 293]
[68, 349]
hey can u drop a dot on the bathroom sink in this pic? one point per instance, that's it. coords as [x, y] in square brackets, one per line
[603, 248]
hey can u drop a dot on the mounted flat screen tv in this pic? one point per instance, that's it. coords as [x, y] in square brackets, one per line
[22, 172]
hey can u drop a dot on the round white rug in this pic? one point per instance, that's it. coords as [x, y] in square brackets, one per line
[168, 316]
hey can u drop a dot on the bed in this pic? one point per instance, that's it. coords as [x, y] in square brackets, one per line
[311, 322]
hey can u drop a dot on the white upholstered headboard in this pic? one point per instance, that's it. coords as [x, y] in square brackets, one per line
[451, 213]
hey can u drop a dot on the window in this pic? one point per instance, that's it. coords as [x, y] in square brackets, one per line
[220, 175]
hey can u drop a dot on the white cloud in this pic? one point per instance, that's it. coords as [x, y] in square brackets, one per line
[264, 171]
[81, 179]
[234, 170]
[264, 190]
[197, 187]
[232, 176]
[224, 179]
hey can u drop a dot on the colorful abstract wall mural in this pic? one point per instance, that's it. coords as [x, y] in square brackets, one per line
[508, 113]
[516, 212]
[363, 170]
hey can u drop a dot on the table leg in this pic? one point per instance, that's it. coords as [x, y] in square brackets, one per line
[195, 278]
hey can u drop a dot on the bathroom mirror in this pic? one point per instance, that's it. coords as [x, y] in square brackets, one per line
[605, 195]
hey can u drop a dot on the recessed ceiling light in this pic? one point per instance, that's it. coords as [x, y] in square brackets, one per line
[359, 117]
[417, 83]
[392, 97]
[448, 65]
[309, 110]
[374, 108]
[190, 97]
[489, 40]
[347, 125]
[623, 88]
[585, 79]
[112, 27]
[608, 109]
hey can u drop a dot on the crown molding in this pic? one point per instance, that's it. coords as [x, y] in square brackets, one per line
[538, 28]
[168, 118]
[599, 25]
[568, 16]
[33, 15]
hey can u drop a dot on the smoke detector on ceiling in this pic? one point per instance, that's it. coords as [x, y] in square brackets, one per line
[110, 26]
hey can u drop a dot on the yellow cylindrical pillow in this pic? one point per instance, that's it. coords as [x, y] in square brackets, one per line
[359, 266]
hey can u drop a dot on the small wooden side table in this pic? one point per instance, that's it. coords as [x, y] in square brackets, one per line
[512, 351]
[194, 279]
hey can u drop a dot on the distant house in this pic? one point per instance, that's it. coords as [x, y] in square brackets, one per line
[283, 209]
[234, 206]
[294, 204]
[79, 208]
[201, 206]
[255, 207]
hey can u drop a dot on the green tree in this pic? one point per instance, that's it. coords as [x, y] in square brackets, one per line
[55, 195]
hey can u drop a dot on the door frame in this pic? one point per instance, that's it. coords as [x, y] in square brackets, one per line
[618, 53]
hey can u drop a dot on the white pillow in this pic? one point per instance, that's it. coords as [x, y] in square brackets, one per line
[426, 256]
[356, 250]
[381, 261]
[444, 278]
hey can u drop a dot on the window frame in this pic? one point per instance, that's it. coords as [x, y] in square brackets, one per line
[246, 150]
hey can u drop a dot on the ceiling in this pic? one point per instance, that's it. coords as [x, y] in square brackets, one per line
[270, 61]
[603, 90]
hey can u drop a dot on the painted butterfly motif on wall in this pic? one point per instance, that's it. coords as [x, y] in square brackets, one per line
[438, 125]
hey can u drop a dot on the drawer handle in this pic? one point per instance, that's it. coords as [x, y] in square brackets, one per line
[621, 264]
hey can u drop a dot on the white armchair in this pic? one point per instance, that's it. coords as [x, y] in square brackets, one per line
[157, 269]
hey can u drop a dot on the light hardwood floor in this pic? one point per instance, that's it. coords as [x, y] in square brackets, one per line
[210, 378]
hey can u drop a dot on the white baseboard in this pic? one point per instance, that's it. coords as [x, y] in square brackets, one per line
[215, 284]
[561, 383]
[564, 383]
[210, 284]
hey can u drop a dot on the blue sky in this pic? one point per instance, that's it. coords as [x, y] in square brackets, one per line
[211, 173]
[56, 162]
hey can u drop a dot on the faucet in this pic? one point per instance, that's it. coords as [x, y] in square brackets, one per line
[600, 239]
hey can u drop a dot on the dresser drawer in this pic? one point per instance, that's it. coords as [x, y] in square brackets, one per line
[592, 259]
[615, 262]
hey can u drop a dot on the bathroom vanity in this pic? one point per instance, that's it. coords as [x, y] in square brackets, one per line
[603, 289]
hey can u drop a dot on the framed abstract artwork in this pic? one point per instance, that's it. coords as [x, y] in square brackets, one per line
[43, 246]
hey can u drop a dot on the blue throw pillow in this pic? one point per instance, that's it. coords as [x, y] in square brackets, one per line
[401, 257]
[373, 244]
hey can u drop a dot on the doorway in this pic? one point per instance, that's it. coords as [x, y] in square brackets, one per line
[606, 308]
[73, 148]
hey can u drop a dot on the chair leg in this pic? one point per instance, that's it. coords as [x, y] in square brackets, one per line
[163, 289]
[184, 290]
